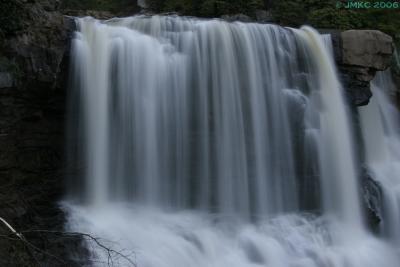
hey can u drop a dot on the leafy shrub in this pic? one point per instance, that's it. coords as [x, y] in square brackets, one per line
[330, 17]
[324, 14]
[181, 6]
[207, 8]
[103, 5]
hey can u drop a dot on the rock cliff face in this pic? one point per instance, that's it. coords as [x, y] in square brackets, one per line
[360, 54]
[33, 64]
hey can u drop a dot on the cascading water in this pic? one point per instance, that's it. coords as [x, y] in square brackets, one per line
[380, 122]
[204, 142]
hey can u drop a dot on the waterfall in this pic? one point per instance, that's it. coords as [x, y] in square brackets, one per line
[380, 122]
[208, 143]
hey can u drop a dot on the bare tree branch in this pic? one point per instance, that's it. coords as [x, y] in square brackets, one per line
[19, 236]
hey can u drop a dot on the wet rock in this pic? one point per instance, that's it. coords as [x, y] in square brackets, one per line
[372, 194]
[358, 91]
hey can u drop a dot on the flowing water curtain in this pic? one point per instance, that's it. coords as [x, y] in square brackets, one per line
[192, 113]
[182, 113]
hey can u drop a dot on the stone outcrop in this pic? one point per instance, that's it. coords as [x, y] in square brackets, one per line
[360, 54]
[367, 49]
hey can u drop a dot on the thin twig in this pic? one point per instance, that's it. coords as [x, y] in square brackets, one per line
[20, 237]
[29, 244]
[110, 251]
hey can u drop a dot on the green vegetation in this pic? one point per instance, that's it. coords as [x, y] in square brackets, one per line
[207, 8]
[324, 14]
[318, 13]
[103, 5]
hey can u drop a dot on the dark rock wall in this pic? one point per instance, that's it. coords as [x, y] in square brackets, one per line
[33, 64]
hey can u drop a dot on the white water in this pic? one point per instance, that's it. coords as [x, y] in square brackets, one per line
[380, 122]
[193, 239]
[202, 142]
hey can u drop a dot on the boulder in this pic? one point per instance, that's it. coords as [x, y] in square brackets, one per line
[370, 50]
[359, 55]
